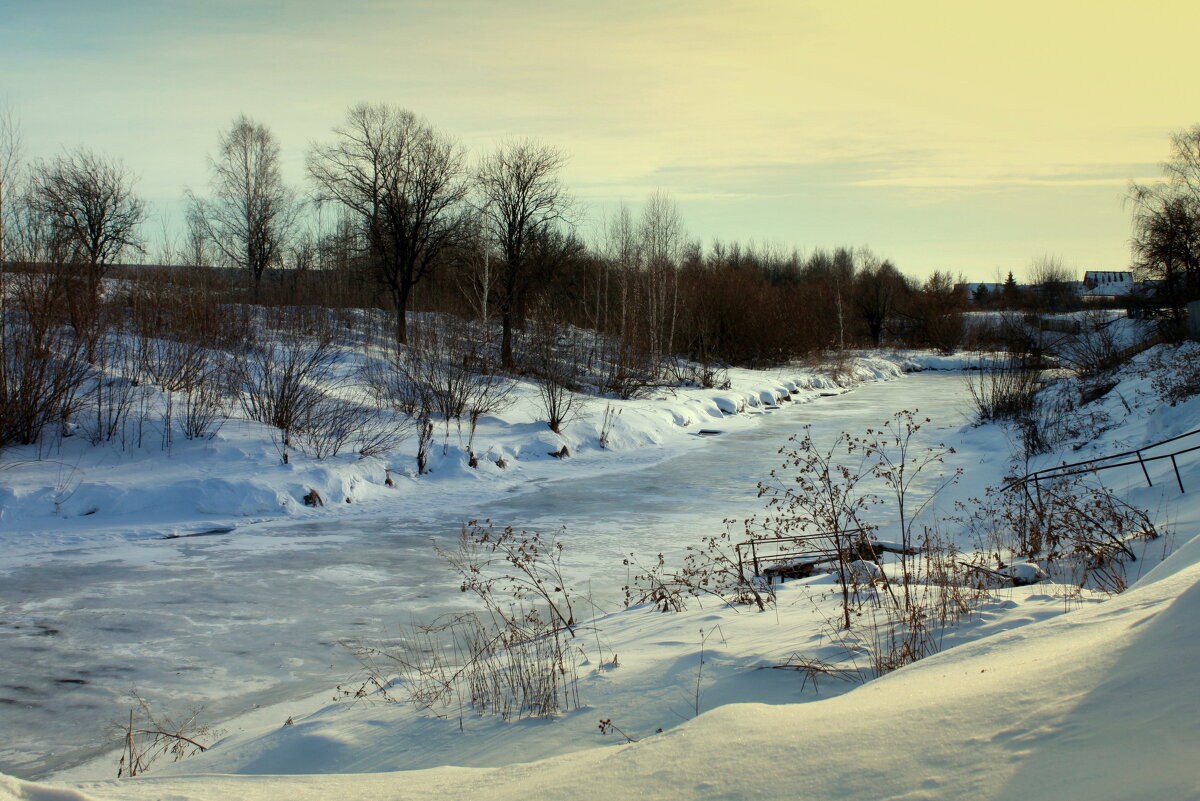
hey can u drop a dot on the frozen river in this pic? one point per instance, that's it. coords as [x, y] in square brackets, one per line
[255, 617]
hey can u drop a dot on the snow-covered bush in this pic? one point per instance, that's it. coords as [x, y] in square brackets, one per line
[1174, 372]
[42, 365]
[1075, 528]
[283, 381]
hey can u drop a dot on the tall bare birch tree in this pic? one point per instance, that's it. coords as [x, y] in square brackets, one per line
[251, 213]
[10, 163]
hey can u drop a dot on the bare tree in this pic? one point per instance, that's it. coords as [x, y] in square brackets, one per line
[1054, 283]
[937, 311]
[1166, 248]
[476, 276]
[1166, 226]
[88, 204]
[1183, 168]
[622, 258]
[879, 290]
[10, 162]
[252, 212]
[522, 199]
[662, 241]
[404, 181]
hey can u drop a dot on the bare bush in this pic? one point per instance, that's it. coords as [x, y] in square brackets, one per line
[1072, 527]
[904, 619]
[42, 368]
[112, 391]
[1094, 348]
[1002, 388]
[701, 374]
[327, 427]
[819, 491]
[906, 606]
[282, 381]
[204, 399]
[627, 371]
[516, 658]
[899, 458]
[334, 424]
[494, 564]
[711, 568]
[466, 662]
[445, 371]
[1173, 374]
[560, 405]
[557, 371]
[606, 424]
[149, 736]
[390, 384]
[191, 370]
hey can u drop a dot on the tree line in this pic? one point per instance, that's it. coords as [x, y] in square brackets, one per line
[397, 216]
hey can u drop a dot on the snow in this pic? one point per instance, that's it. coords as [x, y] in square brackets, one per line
[1042, 692]
[1092, 704]
[1024, 573]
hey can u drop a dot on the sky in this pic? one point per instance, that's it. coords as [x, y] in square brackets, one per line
[949, 136]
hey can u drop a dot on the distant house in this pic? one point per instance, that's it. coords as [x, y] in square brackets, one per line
[981, 293]
[1107, 284]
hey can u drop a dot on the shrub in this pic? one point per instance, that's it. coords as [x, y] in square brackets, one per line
[149, 736]
[555, 366]
[516, 658]
[1002, 388]
[1073, 527]
[445, 371]
[710, 568]
[1173, 372]
[1094, 347]
[42, 366]
[281, 381]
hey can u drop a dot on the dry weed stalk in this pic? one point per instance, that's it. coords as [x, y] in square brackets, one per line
[148, 736]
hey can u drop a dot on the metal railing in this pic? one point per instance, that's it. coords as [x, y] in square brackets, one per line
[1134, 457]
[817, 548]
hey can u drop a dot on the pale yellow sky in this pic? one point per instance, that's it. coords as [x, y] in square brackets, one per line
[944, 135]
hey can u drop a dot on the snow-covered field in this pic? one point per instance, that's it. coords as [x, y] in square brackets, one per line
[1040, 692]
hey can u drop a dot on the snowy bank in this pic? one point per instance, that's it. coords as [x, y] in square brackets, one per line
[1090, 704]
[83, 495]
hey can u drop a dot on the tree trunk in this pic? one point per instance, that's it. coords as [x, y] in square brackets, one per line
[506, 348]
[400, 299]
